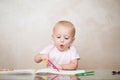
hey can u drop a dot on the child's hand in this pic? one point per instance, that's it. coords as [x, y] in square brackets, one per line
[59, 66]
[40, 57]
[44, 57]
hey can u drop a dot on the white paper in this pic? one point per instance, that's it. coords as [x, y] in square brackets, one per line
[64, 72]
[19, 71]
[45, 70]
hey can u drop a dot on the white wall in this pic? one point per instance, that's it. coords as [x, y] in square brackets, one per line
[26, 28]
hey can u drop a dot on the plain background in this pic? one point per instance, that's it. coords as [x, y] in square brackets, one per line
[26, 28]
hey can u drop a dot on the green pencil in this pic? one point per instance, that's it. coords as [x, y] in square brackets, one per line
[85, 73]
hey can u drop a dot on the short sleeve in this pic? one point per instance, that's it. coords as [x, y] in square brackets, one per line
[74, 53]
[47, 49]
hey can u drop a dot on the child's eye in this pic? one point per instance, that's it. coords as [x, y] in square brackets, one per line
[58, 37]
[66, 38]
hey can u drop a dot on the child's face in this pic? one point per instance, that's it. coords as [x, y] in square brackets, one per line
[62, 37]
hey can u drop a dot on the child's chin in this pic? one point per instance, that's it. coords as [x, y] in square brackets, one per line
[61, 50]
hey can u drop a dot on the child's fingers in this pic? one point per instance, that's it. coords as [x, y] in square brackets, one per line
[44, 57]
[45, 62]
[58, 66]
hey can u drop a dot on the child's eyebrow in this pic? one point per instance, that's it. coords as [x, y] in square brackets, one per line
[58, 35]
[67, 36]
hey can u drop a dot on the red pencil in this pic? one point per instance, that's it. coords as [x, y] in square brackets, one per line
[50, 62]
[54, 77]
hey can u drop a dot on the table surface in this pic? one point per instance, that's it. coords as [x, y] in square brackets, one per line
[98, 75]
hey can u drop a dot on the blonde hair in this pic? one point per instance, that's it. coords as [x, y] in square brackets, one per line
[67, 24]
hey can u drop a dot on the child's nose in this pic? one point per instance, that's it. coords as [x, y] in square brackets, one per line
[61, 40]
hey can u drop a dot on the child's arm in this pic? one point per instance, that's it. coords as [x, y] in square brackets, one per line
[72, 66]
[39, 57]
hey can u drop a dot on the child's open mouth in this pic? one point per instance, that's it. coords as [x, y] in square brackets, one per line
[61, 46]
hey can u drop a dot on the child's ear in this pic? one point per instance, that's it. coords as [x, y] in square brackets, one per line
[52, 36]
[73, 39]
